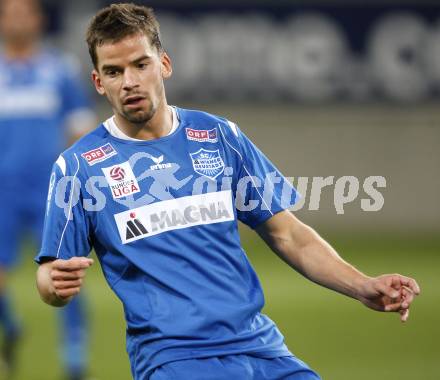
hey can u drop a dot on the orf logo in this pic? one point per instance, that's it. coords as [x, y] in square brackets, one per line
[117, 173]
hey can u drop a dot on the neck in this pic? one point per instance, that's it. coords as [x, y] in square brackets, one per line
[158, 126]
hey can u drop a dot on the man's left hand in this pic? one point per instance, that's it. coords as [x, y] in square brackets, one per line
[389, 292]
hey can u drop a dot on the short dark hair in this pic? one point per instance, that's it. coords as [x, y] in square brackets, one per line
[117, 21]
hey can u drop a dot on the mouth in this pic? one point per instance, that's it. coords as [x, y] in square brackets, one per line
[133, 101]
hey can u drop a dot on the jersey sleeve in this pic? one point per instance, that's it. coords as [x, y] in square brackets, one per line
[66, 228]
[261, 190]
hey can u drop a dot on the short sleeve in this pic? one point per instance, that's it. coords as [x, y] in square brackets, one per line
[262, 190]
[66, 228]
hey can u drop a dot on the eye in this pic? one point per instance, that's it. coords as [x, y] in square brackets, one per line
[142, 65]
[112, 73]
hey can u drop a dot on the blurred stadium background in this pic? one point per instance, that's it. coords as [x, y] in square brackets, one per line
[325, 88]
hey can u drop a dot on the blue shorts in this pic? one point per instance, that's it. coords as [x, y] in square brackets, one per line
[21, 212]
[235, 367]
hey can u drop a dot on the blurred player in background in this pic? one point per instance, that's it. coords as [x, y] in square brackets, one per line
[42, 108]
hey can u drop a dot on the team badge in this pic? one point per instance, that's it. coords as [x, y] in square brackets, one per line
[202, 135]
[207, 163]
[121, 180]
[99, 154]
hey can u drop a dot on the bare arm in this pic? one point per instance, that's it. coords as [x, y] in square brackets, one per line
[59, 281]
[305, 251]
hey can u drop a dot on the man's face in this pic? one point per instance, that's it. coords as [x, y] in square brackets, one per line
[130, 74]
[20, 20]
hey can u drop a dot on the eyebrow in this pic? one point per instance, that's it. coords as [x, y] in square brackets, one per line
[109, 67]
[142, 58]
[137, 60]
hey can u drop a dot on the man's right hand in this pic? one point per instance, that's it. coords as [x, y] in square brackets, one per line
[67, 275]
[60, 280]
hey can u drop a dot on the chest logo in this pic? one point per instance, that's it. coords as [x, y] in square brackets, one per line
[99, 154]
[158, 163]
[202, 135]
[174, 214]
[208, 163]
[121, 180]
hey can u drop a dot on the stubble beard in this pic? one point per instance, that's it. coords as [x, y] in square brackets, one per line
[140, 116]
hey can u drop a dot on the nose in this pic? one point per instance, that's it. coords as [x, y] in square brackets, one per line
[130, 79]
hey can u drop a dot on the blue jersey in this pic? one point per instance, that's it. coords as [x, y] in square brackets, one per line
[162, 217]
[36, 97]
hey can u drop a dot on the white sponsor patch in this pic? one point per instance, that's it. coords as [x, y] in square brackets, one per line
[174, 214]
[121, 180]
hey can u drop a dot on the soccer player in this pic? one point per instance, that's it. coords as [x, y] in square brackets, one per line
[158, 192]
[42, 107]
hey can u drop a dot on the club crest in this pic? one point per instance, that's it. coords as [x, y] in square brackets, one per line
[208, 163]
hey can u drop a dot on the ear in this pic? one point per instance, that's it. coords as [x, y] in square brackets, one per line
[167, 67]
[97, 82]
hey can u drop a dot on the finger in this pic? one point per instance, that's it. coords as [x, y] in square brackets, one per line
[395, 282]
[66, 293]
[407, 297]
[72, 264]
[372, 305]
[66, 265]
[410, 283]
[76, 263]
[387, 290]
[404, 314]
[58, 285]
[393, 307]
[66, 275]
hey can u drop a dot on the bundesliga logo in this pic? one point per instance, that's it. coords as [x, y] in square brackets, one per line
[121, 180]
[117, 173]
